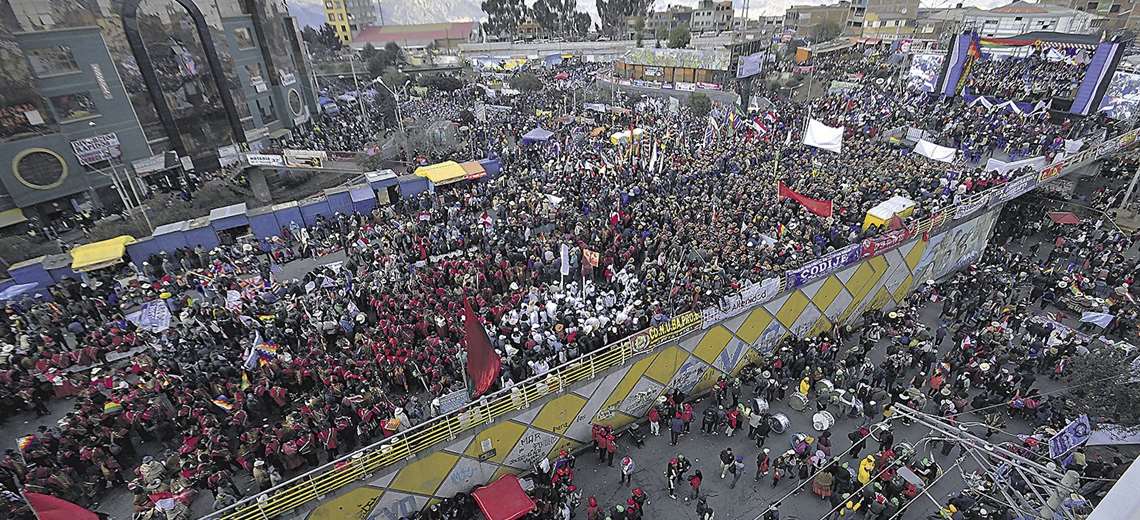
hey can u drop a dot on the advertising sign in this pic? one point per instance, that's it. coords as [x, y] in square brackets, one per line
[95, 149]
[735, 304]
[924, 70]
[822, 267]
[1052, 172]
[305, 159]
[261, 159]
[1018, 187]
[750, 65]
[1075, 434]
[971, 205]
[880, 244]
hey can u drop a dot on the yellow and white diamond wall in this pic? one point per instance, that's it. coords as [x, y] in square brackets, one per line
[691, 363]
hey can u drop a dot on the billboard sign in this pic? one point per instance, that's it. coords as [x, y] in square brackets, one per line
[96, 149]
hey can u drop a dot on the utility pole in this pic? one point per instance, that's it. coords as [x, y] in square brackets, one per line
[1128, 195]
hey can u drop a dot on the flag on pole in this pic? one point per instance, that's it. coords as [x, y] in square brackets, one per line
[823, 208]
[590, 257]
[483, 363]
[47, 507]
[565, 260]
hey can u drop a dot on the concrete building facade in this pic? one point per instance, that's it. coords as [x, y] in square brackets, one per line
[89, 98]
[349, 17]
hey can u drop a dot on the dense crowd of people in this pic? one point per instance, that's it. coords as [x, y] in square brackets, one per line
[1036, 77]
[263, 376]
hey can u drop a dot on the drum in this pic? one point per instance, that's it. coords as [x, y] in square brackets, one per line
[779, 423]
[824, 387]
[822, 421]
[759, 405]
[798, 402]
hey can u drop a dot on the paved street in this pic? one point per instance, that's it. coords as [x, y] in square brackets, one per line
[749, 500]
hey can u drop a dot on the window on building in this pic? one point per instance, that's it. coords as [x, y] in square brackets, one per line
[328, 5]
[244, 38]
[50, 61]
[265, 108]
[70, 107]
[254, 72]
[1114, 9]
[1093, 6]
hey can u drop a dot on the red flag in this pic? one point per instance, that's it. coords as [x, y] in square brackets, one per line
[48, 507]
[823, 208]
[483, 364]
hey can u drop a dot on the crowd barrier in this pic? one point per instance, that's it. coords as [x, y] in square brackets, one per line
[417, 441]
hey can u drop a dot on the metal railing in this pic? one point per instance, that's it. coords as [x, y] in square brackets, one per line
[318, 483]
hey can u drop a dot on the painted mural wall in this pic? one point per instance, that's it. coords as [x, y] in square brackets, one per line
[692, 364]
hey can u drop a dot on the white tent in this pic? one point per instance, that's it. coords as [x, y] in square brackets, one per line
[935, 152]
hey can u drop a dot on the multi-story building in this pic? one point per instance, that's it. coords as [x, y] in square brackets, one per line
[711, 16]
[862, 11]
[91, 91]
[349, 17]
[441, 36]
[807, 20]
[1115, 14]
[661, 22]
[1021, 17]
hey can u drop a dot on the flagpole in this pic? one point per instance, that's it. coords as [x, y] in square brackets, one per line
[20, 485]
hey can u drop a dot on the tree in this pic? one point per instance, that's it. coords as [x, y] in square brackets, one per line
[639, 28]
[679, 37]
[377, 65]
[328, 38]
[503, 16]
[395, 53]
[445, 83]
[614, 13]
[368, 52]
[546, 15]
[700, 105]
[581, 24]
[826, 31]
[526, 82]
[1100, 387]
[394, 78]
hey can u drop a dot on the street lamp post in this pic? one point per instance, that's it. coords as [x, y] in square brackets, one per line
[356, 83]
[399, 115]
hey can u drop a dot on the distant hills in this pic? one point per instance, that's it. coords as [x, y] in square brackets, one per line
[397, 12]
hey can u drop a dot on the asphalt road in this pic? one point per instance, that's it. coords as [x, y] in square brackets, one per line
[750, 499]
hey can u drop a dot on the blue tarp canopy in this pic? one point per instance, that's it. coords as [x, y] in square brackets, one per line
[537, 135]
[17, 290]
[324, 100]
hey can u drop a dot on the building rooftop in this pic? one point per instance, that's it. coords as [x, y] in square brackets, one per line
[1024, 10]
[710, 59]
[411, 36]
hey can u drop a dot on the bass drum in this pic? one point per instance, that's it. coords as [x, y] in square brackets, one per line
[824, 387]
[822, 421]
[798, 402]
[759, 405]
[779, 423]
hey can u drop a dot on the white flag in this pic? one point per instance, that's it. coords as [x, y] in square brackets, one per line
[824, 137]
[653, 157]
[1100, 319]
[565, 259]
